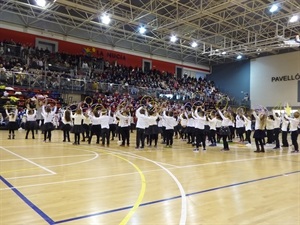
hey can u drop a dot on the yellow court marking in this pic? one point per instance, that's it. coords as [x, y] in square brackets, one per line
[142, 191]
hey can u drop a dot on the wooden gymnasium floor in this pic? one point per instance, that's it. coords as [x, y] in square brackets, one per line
[59, 183]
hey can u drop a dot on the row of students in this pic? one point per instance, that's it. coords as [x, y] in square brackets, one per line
[193, 123]
[261, 121]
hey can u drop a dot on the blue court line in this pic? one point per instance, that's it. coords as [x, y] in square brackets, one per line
[28, 202]
[173, 198]
[51, 222]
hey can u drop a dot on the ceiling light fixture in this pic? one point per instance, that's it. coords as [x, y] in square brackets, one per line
[41, 3]
[239, 57]
[224, 53]
[105, 19]
[194, 44]
[173, 38]
[273, 8]
[294, 19]
[142, 30]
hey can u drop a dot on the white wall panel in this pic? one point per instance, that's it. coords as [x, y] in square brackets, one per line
[274, 80]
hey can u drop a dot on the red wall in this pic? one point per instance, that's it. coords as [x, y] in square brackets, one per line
[79, 49]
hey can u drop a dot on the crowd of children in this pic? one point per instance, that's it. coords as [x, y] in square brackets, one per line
[194, 124]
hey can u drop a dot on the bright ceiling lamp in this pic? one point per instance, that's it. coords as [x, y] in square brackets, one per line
[273, 8]
[239, 57]
[142, 30]
[194, 44]
[105, 19]
[173, 38]
[294, 19]
[41, 3]
[224, 53]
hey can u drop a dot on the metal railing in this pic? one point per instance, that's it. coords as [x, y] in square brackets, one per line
[70, 85]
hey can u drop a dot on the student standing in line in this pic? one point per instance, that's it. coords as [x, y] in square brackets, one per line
[141, 124]
[39, 117]
[200, 121]
[104, 123]
[113, 124]
[67, 125]
[12, 122]
[270, 129]
[259, 132]
[124, 124]
[48, 114]
[153, 127]
[183, 123]
[212, 125]
[248, 128]
[96, 126]
[218, 127]
[87, 123]
[240, 126]
[284, 132]
[190, 128]
[77, 129]
[294, 123]
[170, 122]
[31, 123]
[225, 130]
[277, 122]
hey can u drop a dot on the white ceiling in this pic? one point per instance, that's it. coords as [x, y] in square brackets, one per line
[236, 26]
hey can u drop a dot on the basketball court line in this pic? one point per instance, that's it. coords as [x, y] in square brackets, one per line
[157, 201]
[238, 160]
[172, 198]
[27, 201]
[141, 193]
[148, 171]
[179, 185]
[177, 197]
[96, 155]
[27, 160]
[50, 157]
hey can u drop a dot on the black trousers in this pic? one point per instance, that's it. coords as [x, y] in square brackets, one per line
[248, 136]
[212, 136]
[169, 136]
[270, 136]
[294, 136]
[66, 135]
[200, 137]
[225, 142]
[140, 138]
[125, 133]
[276, 137]
[284, 138]
[105, 135]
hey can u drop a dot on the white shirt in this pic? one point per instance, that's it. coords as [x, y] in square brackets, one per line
[213, 123]
[200, 121]
[77, 118]
[124, 120]
[31, 117]
[104, 121]
[257, 121]
[285, 124]
[247, 123]
[239, 122]
[226, 122]
[48, 117]
[142, 120]
[294, 122]
[170, 121]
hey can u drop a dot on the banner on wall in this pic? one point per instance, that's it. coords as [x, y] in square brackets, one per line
[94, 52]
[275, 79]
